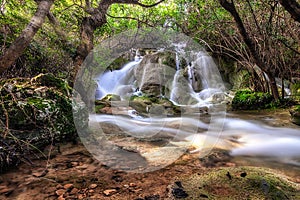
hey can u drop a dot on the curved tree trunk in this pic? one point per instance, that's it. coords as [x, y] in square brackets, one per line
[17, 48]
[292, 7]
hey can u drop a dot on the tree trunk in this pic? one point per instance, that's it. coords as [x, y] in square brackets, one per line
[273, 86]
[230, 7]
[292, 7]
[17, 48]
[88, 26]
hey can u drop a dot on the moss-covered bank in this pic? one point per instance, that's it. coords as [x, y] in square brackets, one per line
[33, 114]
[235, 183]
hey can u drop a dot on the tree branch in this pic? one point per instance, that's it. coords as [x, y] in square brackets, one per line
[132, 18]
[136, 2]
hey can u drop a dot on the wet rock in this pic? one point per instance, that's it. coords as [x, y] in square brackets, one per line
[154, 71]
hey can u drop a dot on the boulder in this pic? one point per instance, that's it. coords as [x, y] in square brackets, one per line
[295, 115]
[33, 114]
[154, 106]
[155, 71]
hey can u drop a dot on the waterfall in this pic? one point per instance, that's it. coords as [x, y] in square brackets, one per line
[119, 82]
[198, 83]
[204, 82]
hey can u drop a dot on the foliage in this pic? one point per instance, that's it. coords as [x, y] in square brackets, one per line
[248, 100]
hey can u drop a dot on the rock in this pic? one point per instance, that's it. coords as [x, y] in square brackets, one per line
[109, 192]
[60, 192]
[68, 186]
[152, 197]
[61, 197]
[74, 191]
[295, 115]
[39, 111]
[146, 105]
[6, 190]
[179, 193]
[132, 185]
[93, 186]
[40, 174]
[154, 71]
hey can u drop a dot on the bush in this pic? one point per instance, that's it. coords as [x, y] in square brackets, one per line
[248, 100]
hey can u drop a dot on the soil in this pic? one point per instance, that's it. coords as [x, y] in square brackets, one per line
[75, 174]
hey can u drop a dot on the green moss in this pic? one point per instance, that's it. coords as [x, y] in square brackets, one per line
[118, 63]
[239, 183]
[248, 100]
[38, 111]
[154, 105]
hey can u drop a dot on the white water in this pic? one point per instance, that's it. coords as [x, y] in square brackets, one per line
[119, 82]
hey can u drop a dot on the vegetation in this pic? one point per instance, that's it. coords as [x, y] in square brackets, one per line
[248, 100]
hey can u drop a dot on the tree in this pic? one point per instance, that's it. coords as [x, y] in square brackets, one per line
[17, 48]
[252, 45]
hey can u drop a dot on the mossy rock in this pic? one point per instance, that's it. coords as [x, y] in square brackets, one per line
[248, 100]
[150, 105]
[235, 183]
[295, 115]
[106, 101]
[38, 112]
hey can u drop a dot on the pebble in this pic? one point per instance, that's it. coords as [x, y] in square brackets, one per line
[132, 185]
[61, 197]
[40, 174]
[59, 186]
[68, 186]
[5, 190]
[60, 192]
[109, 192]
[93, 186]
[74, 191]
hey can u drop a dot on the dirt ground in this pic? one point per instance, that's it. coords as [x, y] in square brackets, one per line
[75, 174]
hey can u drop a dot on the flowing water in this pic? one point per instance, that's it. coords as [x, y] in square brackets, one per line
[245, 139]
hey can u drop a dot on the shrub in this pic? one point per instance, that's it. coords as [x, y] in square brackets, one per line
[248, 100]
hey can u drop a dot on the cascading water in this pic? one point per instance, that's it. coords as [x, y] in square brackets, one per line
[119, 82]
